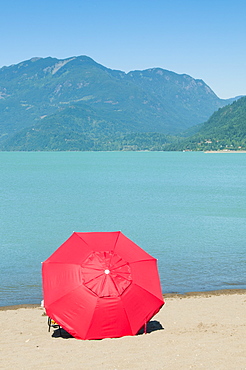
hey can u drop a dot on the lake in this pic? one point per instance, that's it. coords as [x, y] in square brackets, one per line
[186, 209]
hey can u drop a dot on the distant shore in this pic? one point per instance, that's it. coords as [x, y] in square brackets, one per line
[224, 151]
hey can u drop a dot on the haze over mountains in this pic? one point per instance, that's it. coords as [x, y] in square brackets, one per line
[78, 104]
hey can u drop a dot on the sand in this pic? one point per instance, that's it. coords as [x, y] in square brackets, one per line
[200, 331]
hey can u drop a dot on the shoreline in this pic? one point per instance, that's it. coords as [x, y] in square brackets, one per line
[224, 151]
[205, 294]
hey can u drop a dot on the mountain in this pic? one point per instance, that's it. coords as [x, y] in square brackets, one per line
[225, 130]
[76, 103]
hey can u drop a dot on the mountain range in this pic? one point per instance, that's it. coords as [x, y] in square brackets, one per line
[78, 104]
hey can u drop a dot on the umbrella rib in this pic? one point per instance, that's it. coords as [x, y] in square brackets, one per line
[91, 268]
[149, 259]
[116, 241]
[89, 327]
[62, 263]
[94, 278]
[81, 238]
[153, 295]
[103, 283]
[123, 277]
[115, 285]
[129, 322]
[64, 295]
[117, 267]
[112, 255]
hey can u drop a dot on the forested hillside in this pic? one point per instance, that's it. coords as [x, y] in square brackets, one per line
[225, 130]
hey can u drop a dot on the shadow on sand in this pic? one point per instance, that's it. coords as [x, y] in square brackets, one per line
[151, 326]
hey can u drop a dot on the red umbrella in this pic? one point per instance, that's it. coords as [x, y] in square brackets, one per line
[101, 285]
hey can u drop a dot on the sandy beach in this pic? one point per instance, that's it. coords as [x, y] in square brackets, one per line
[199, 331]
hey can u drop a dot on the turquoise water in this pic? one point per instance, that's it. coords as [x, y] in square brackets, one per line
[186, 209]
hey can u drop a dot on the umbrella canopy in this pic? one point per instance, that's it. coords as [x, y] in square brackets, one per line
[101, 285]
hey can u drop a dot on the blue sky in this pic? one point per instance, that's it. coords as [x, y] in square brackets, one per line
[202, 38]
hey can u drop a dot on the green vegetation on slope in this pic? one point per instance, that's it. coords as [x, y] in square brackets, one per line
[85, 130]
[225, 130]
